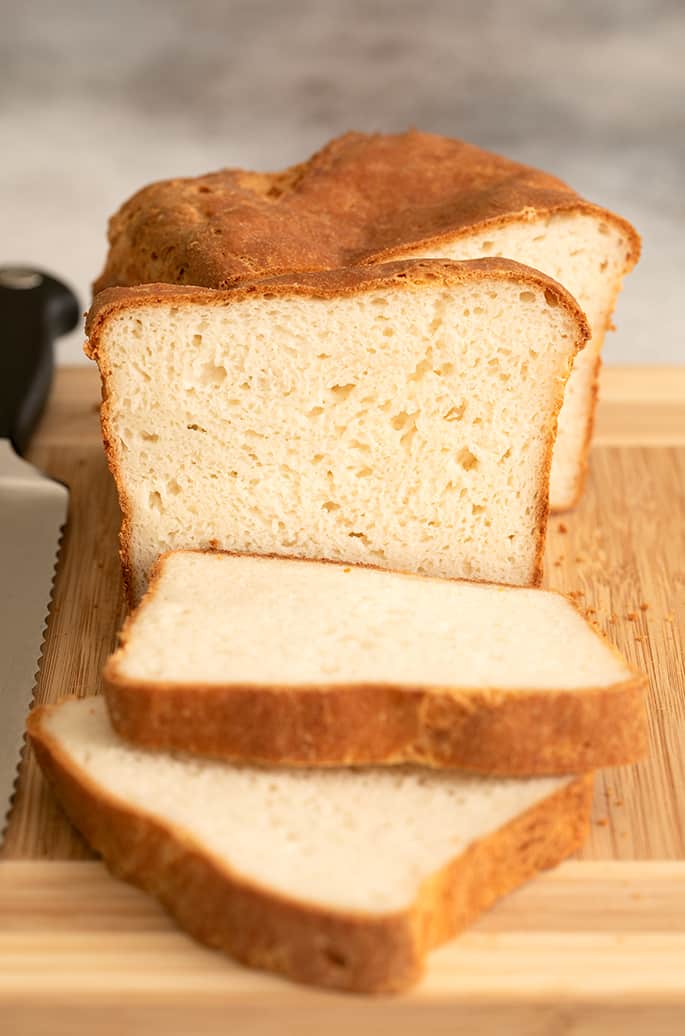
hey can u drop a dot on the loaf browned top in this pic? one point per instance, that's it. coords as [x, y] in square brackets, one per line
[362, 198]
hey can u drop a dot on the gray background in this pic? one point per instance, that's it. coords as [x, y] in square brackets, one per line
[97, 99]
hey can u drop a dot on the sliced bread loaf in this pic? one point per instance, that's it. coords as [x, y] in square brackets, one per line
[367, 198]
[312, 663]
[340, 878]
[401, 415]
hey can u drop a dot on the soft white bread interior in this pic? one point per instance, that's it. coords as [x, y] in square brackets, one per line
[242, 619]
[587, 254]
[400, 415]
[340, 877]
[306, 662]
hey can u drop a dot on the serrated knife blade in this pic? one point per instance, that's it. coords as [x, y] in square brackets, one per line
[34, 309]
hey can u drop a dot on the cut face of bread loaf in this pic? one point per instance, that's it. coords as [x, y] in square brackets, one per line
[311, 663]
[340, 878]
[587, 254]
[401, 415]
[370, 198]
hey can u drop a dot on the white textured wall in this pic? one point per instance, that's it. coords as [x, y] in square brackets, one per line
[97, 99]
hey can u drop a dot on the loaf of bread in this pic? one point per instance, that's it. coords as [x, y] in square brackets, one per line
[370, 198]
[312, 663]
[340, 878]
[401, 415]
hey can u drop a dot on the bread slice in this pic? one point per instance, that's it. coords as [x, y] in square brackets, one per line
[370, 198]
[401, 415]
[278, 661]
[340, 878]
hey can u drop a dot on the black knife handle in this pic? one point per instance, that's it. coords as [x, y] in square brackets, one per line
[35, 308]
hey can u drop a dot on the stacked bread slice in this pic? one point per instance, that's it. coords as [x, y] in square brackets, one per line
[370, 198]
[341, 878]
[321, 850]
[278, 662]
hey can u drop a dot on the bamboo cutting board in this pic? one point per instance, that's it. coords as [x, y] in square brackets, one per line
[595, 947]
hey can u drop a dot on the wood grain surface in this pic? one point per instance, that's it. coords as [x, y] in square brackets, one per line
[546, 955]
[597, 946]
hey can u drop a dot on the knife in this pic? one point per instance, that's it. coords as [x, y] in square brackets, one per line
[34, 309]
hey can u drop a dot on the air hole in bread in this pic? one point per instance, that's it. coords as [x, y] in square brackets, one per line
[455, 413]
[342, 392]
[423, 367]
[212, 374]
[468, 460]
[401, 420]
[408, 437]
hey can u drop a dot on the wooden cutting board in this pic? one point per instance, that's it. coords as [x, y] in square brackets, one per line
[595, 947]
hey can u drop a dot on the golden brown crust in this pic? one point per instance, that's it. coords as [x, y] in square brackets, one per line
[339, 950]
[402, 275]
[514, 732]
[363, 198]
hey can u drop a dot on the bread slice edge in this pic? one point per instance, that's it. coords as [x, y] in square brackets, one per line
[495, 731]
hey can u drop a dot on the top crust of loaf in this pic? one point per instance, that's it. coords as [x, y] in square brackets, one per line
[363, 198]
[400, 276]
